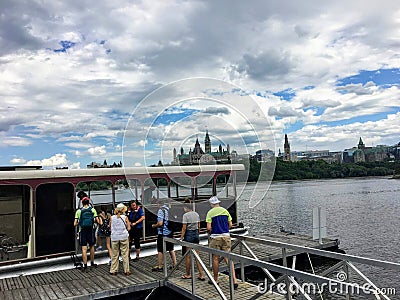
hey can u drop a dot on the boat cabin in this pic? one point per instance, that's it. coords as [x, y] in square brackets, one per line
[37, 207]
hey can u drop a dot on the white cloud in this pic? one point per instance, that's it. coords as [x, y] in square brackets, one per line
[82, 98]
[17, 161]
[15, 141]
[57, 160]
[97, 151]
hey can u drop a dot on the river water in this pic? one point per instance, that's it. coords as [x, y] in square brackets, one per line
[362, 213]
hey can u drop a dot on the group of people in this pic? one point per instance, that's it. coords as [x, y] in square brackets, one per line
[219, 221]
[126, 226]
[121, 230]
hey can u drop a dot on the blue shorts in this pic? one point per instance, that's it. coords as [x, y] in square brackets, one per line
[192, 236]
[86, 236]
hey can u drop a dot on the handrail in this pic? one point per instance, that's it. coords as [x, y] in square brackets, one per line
[262, 264]
[334, 255]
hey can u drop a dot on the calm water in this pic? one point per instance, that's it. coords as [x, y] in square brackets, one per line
[362, 213]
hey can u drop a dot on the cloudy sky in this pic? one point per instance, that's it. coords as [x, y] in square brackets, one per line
[89, 80]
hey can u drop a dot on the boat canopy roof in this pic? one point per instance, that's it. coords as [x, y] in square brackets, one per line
[127, 171]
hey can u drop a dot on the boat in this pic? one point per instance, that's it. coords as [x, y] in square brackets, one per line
[38, 206]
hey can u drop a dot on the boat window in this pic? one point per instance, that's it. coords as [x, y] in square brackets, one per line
[14, 225]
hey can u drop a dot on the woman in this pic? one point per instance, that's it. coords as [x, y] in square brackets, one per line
[120, 226]
[190, 233]
[104, 231]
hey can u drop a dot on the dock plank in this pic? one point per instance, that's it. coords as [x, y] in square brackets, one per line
[16, 294]
[65, 288]
[32, 293]
[41, 292]
[96, 282]
[50, 292]
[8, 295]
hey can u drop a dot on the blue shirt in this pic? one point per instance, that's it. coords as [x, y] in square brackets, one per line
[135, 215]
[163, 215]
[219, 218]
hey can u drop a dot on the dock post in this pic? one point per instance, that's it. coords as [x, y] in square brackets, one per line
[319, 225]
[231, 270]
[164, 258]
[241, 263]
[192, 270]
[287, 281]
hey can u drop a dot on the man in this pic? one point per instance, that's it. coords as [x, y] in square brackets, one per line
[136, 218]
[148, 196]
[219, 221]
[162, 230]
[85, 218]
[82, 196]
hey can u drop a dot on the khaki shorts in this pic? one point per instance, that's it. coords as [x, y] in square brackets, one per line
[221, 243]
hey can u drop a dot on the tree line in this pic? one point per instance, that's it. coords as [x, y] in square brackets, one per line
[318, 169]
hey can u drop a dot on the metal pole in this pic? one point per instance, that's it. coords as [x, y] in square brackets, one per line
[319, 226]
[113, 195]
[192, 270]
[231, 270]
[242, 276]
[226, 187]
[164, 258]
[287, 281]
[136, 190]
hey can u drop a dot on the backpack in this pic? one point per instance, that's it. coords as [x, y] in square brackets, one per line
[105, 229]
[86, 219]
[173, 226]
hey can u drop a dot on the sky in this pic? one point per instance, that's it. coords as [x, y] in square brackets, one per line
[94, 80]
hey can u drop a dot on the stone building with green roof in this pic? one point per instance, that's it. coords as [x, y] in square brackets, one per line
[197, 156]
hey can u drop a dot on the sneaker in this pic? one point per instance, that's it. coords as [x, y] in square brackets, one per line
[93, 265]
[109, 262]
[99, 248]
[84, 268]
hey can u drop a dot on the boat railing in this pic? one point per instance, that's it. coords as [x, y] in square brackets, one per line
[290, 281]
[9, 245]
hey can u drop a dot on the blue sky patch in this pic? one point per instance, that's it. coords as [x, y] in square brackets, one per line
[64, 46]
[360, 119]
[287, 94]
[319, 110]
[381, 77]
[167, 118]
[294, 127]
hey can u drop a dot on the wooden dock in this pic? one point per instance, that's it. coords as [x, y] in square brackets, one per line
[97, 283]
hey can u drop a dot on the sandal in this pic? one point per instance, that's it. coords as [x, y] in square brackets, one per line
[128, 273]
[210, 282]
[201, 278]
[186, 277]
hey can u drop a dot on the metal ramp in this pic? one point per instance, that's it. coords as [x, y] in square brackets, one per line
[289, 283]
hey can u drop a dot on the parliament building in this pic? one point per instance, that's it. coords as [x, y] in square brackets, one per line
[197, 156]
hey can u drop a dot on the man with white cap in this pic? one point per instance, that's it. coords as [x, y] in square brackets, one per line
[219, 221]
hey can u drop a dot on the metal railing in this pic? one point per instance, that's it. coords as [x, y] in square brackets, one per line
[345, 263]
[288, 281]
